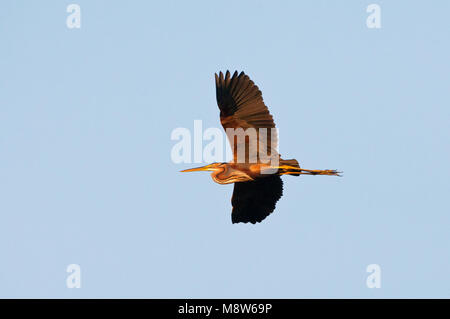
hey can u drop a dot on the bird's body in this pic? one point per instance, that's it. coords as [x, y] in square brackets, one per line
[232, 172]
[256, 167]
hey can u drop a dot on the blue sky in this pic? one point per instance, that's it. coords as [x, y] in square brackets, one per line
[86, 175]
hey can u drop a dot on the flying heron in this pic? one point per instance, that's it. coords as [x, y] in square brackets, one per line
[257, 182]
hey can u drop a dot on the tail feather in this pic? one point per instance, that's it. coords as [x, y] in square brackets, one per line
[291, 171]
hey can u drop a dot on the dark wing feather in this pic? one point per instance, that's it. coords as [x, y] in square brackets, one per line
[253, 201]
[241, 106]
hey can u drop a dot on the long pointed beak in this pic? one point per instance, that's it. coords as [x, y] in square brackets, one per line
[197, 169]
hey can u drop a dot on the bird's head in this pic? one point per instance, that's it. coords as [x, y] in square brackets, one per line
[222, 173]
[215, 167]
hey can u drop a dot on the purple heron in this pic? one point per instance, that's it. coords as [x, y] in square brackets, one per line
[257, 183]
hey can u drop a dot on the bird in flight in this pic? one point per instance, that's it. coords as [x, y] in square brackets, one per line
[256, 166]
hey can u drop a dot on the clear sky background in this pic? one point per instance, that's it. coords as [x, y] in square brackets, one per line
[86, 175]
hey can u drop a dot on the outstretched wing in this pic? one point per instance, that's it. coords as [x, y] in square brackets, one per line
[253, 201]
[241, 106]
